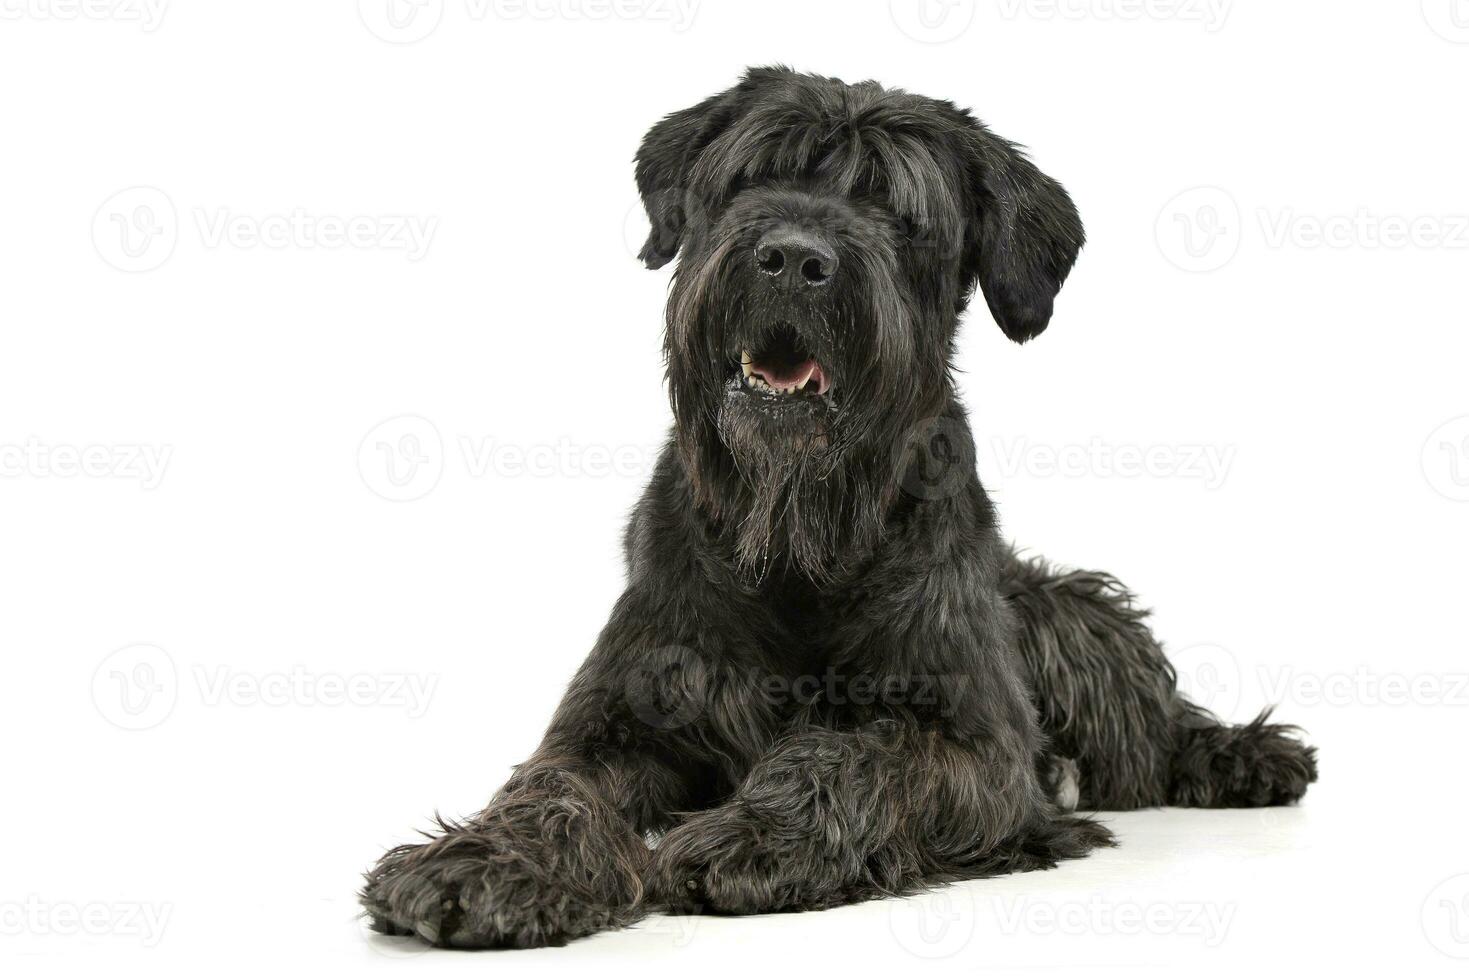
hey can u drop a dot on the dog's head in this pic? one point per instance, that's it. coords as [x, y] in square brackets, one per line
[829, 236]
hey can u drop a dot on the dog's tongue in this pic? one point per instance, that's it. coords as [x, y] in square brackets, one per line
[794, 376]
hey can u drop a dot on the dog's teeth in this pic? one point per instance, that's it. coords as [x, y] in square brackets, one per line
[747, 363]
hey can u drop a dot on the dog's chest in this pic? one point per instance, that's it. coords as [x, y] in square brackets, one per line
[808, 638]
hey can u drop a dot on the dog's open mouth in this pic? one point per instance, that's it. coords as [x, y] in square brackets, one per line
[782, 366]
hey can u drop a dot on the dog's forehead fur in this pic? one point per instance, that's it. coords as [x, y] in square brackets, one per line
[858, 139]
[954, 189]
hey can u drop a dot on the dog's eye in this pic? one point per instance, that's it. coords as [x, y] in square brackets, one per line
[905, 229]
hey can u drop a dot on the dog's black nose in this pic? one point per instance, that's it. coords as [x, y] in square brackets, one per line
[798, 257]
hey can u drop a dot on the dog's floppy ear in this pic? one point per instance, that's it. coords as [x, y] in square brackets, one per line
[1025, 238]
[666, 157]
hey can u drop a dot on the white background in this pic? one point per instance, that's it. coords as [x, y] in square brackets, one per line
[1251, 406]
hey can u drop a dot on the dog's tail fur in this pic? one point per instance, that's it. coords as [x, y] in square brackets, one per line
[1108, 700]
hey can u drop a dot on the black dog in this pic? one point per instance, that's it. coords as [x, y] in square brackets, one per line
[829, 679]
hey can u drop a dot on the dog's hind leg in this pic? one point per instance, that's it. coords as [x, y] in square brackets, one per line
[1061, 779]
[1102, 686]
[1107, 698]
[1220, 765]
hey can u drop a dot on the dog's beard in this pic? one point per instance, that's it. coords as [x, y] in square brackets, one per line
[803, 483]
[797, 485]
[795, 500]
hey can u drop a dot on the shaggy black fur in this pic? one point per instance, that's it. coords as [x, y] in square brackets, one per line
[829, 678]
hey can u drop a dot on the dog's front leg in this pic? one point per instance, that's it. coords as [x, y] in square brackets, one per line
[559, 852]
[916, 765]
[560, 849]
[551, 858]
[831, 817]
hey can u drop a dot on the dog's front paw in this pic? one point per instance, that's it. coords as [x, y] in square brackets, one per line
[494, 885]
[724, 860]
